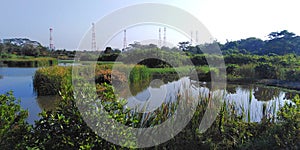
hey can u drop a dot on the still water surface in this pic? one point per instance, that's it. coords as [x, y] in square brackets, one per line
[20, 81]
[243, 97]
[252, 101]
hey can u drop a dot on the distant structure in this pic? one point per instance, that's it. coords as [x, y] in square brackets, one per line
[51, 45]
[165, 37]
[197, 39]
[159, 37]
[124, 41]
[94, 48]
[191, 38]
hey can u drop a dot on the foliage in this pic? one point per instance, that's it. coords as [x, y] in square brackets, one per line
[30, 48]
[257, 67]
[65, 128]
[15, 61]
[49, 80]
[279, 43]
[154, 58]
[14, 130]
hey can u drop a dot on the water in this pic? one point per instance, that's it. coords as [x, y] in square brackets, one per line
[20, 81]
[253, 101]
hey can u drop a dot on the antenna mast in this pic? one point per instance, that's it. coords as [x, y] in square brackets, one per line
[159, 37]
[165, 36]
[191, 38]
[197, 39]
[93, 38]
[51, 45]
[124, 41]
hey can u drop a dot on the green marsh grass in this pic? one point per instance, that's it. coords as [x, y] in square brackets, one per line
[30, 62]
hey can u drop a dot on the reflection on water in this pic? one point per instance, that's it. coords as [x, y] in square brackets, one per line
[266, 94]
[48, 102]
[69, 64]
[253, 101]
[157, 93]
[19, 80]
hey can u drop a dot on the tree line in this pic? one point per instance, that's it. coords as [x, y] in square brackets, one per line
[278, 43]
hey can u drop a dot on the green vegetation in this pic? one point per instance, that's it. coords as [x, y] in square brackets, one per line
[14, 131]
[228, 131]
[29, 61]
[65, 127]
[49, 80]
[249, 60]
[24, 48]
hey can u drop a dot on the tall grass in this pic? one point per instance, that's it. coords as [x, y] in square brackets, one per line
[49, 80]
[30, 62]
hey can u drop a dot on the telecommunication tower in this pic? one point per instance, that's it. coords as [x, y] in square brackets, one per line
[165, 36]
[93, 38]
[191, 38]
[197, 39]
[124, 41]
[51, 45]
[159, 37]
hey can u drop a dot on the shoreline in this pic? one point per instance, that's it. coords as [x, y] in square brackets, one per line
[289, 85]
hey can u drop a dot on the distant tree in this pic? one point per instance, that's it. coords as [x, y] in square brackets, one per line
[108, 50]
[184, 46]
[281, 34]
[230, 45]
[165, 48]
[194, 49]
[252, 45]
[117, 51]
[1, 49]
[281, 43]
[136, 45]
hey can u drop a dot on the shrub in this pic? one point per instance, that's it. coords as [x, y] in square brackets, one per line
[14, 130]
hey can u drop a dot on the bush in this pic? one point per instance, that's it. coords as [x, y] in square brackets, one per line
[14, 130]
[49, 81]
[265, 71]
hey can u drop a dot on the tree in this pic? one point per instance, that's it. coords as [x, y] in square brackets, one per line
[108, 50]
[184, 45]
[281, 43]
[1, 49]
[252, 45]
[281, 34]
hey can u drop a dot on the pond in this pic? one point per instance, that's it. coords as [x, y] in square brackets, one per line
[20, 81]
[253, 101]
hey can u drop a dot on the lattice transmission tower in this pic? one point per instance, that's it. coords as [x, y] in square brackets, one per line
[51, 45]
[94, 45]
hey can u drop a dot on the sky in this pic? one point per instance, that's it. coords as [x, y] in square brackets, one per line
[71, 19]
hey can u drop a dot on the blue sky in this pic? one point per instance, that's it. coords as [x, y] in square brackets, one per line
[71, 19]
